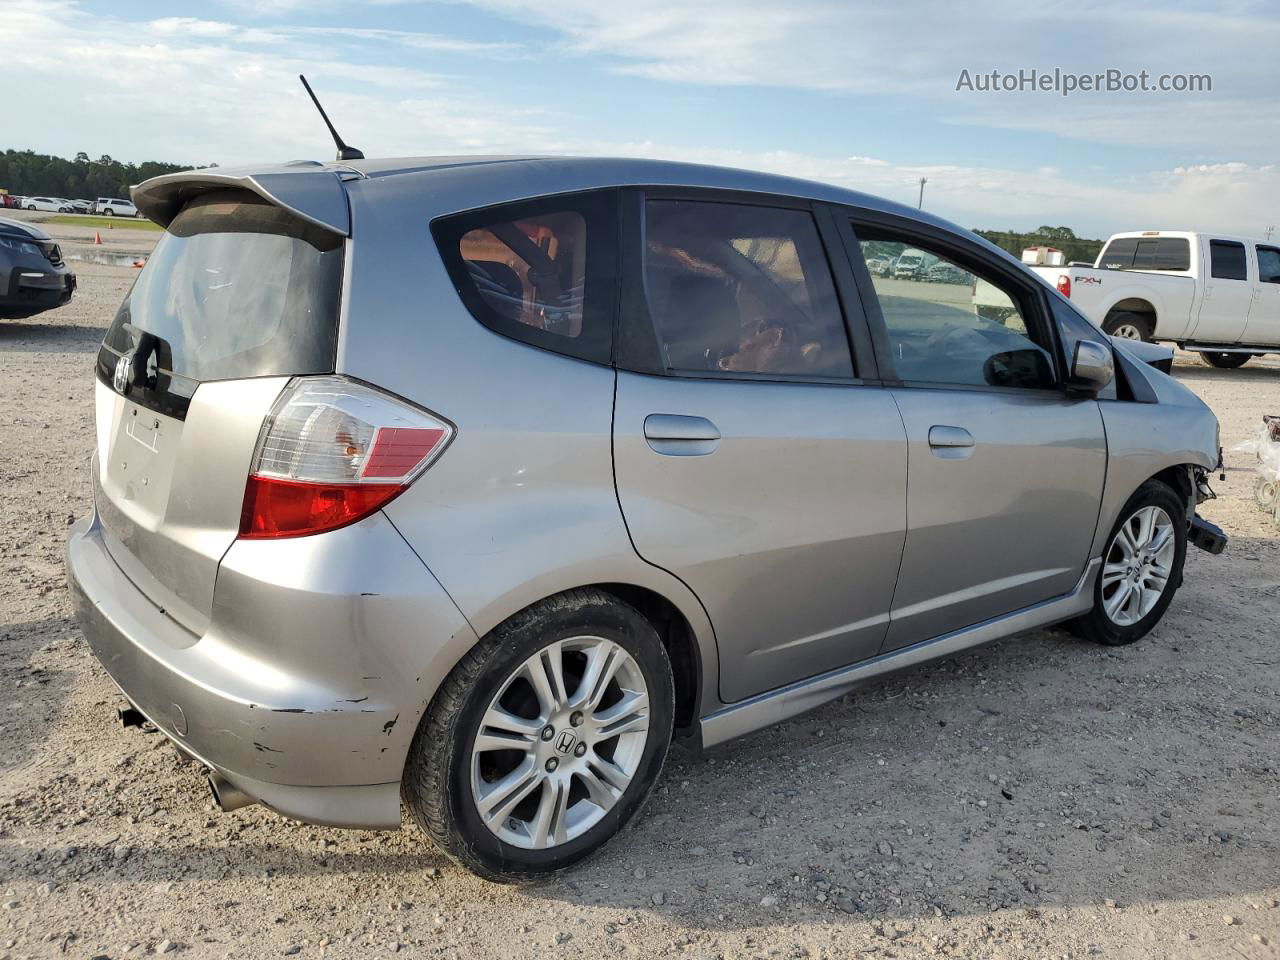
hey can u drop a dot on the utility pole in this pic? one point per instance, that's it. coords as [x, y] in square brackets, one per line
[1268, 232]
[923, 181]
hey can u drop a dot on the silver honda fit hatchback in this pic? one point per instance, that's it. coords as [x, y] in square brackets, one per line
[468, 484]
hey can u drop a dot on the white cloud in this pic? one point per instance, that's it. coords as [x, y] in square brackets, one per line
[1213, 197]
[917, 50]
[199, 90]
[416, 40]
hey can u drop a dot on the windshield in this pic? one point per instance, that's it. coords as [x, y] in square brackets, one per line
[236, 288]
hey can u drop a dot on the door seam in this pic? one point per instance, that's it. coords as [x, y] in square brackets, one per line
[906, 519]
[617, 496]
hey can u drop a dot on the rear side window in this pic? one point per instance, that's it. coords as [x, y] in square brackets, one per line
[237, 287]
[1227, 260]
[1269, 264]
[541, 271]
[742, 289]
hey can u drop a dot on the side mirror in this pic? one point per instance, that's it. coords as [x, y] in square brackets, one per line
[1092, 367]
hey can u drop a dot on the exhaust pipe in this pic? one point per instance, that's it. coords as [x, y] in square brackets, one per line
[227, 795]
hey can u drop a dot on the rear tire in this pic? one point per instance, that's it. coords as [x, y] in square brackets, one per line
[1225, 361]
[1141, 568]
[577, 785]
[1129, 326]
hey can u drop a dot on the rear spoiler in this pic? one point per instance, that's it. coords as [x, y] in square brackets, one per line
[313, 192]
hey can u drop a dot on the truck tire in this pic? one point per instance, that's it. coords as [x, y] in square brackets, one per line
[1225, 361]
[1130, 326]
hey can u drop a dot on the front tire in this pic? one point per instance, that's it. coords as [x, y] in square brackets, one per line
[1141, 567]
[108, 212]
[1225, 361]
[546, 738]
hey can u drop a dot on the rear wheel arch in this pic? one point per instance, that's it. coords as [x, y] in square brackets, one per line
[1133, 311]
[439, 785]
[679, 639]
[673, 626]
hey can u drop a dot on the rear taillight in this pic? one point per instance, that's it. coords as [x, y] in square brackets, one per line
[331, 452]
[1064, 285]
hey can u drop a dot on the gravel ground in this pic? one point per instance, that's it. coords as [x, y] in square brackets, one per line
[1039, 797]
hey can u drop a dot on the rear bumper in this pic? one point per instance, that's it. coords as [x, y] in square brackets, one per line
[306, 690]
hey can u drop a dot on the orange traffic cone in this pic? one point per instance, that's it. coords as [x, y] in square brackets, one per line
[97, 239]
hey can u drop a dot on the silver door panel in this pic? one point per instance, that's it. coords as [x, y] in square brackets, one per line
[788, 527]
[1002, 501]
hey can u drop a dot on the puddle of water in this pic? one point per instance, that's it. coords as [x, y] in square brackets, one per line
[110, 259]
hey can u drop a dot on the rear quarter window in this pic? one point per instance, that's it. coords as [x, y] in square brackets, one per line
[539, 271]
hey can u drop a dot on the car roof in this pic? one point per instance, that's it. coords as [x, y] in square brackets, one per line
[573, 173]
[313, 189]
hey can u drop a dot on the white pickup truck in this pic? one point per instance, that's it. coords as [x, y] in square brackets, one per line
[1219, 296]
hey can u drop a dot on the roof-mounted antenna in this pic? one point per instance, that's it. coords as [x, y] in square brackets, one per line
[344, 152]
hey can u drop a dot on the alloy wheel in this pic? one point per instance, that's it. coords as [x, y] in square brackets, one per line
[1138, 565]
[560, 743]
[1128, 331]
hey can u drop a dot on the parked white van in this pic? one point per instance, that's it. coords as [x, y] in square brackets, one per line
[910, 265]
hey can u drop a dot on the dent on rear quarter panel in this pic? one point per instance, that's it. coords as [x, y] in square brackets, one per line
[522, 505]
[346, 636]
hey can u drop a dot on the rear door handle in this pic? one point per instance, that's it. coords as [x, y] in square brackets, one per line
[950, 443]
[674, 435]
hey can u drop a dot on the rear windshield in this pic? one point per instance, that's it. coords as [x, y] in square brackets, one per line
[236, 288]
[1133, 253]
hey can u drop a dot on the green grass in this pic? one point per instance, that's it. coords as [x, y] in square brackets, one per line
[102, 223]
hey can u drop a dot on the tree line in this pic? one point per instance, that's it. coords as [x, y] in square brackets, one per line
[1062, 238]
[29, 174]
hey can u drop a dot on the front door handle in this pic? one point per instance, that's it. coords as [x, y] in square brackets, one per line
[950, 443]
[674, 435]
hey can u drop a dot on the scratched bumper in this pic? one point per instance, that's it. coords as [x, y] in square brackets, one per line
[307, 688]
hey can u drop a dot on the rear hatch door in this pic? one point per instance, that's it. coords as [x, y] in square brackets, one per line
[239, 295]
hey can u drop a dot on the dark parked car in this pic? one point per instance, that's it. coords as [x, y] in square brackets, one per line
[33, 277]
